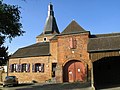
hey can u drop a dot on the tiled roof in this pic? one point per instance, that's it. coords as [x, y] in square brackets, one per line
[72, 28]
[38, 49]
[104, 43]
[105, 35]
[54, 38]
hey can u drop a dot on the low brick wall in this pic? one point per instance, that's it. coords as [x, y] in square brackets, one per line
[2, 76]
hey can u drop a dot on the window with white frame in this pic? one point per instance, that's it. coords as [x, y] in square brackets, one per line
[38, 67]
[25, 67]
[13, 67]
[45, 39]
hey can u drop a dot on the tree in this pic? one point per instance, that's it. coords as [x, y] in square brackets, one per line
[3, 55]
[10, 27]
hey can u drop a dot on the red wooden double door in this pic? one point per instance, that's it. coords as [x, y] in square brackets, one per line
[74, 71]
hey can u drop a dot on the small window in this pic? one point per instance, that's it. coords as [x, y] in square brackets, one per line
[25, 67]
[13, 67]
[53, 69]
[45, 39]
[38, 67]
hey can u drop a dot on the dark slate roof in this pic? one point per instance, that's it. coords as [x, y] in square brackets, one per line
[51, 26]
[104, 42]
[54, 38]
[72, 28]
[38, 49]
[105, 35]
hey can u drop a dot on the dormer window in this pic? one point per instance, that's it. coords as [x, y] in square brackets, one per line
[45, 39]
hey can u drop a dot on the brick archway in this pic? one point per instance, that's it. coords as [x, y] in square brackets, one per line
[73, 71]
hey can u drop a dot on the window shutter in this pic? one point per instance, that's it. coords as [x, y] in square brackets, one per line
[28, 67]
[20, 67]
[75, 43]
[42, 67]
[71, 42]
[33, 67]
[11, 68]
[17, 67]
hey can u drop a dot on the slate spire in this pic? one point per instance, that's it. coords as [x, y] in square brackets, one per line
[50, 10]
[50, 25]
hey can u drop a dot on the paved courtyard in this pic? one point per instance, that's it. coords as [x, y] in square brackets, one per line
[61, 86]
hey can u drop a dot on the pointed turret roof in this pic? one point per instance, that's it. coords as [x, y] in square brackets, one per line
[50, 25]
[73, 27]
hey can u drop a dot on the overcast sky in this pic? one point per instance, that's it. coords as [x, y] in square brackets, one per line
[96, 16]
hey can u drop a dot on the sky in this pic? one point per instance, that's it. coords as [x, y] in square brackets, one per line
[96, 16]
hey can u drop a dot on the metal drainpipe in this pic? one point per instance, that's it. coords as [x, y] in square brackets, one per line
[7, 66]
[92, 77]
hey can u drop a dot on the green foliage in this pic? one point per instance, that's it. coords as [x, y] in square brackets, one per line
[3, 55]
[10, 26]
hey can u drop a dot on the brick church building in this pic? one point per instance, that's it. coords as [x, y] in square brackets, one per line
[70, 56]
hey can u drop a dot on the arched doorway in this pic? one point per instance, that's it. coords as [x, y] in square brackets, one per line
[106, 71]
[73, 71]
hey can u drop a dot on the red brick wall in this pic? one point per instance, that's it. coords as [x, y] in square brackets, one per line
[80, 53]
[61, 53]
[25, 77]
[53, 51]
[65, 53]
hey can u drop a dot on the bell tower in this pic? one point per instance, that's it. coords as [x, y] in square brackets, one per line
[50, 28]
